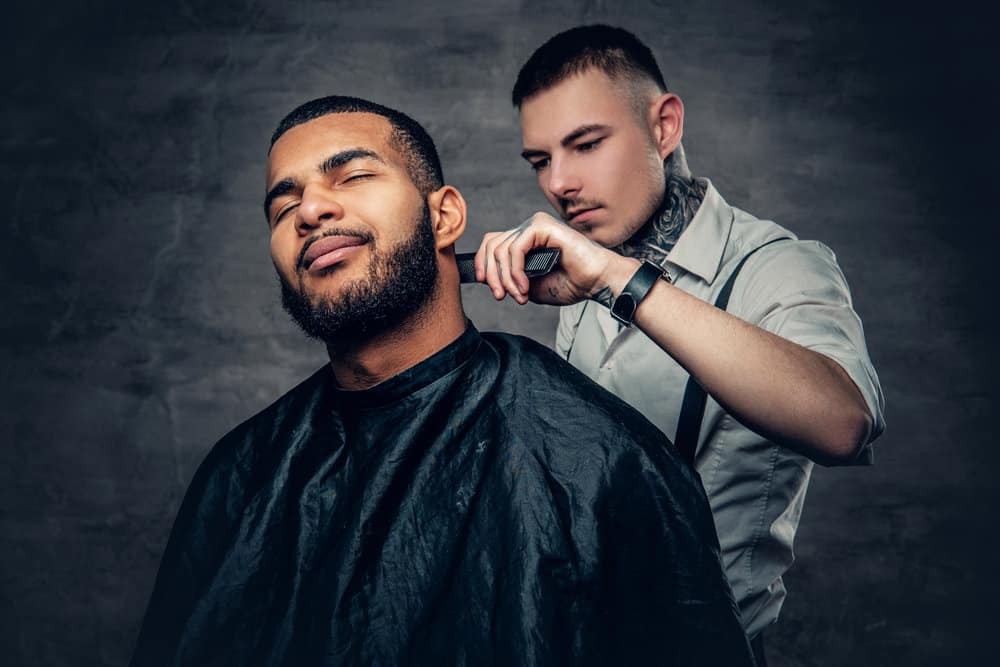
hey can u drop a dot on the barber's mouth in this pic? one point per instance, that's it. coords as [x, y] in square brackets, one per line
[581, 214]
[330, 250]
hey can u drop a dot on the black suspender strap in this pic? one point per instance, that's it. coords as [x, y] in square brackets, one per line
[693, 405]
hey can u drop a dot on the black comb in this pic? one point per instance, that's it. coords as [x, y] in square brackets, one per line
[537, 262]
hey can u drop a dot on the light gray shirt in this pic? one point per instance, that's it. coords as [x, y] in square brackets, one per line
[792, 288]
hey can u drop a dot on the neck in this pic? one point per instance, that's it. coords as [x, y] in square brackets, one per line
[439, 323]
[681, 198]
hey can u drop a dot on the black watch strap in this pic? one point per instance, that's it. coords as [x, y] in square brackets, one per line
[624, 307]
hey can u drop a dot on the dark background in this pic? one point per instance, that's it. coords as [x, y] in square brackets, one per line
[141, 318]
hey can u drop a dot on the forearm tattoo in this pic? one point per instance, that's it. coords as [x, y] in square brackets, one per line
[681, 199]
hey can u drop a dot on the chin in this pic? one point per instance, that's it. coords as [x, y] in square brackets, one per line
[602, 236]
[329, 294]
[332, 276]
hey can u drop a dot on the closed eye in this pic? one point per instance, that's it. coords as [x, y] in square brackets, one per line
[589, 145]
[284, 210]
[358, 177]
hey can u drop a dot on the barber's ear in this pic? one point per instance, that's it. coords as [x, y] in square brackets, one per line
[447, 208]
[666, 117]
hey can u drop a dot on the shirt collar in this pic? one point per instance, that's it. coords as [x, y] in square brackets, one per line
[701, 247]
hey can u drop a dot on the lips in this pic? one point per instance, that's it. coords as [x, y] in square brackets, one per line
[578, 214]
[329, 250]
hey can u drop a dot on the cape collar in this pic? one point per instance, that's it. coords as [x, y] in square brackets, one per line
[414, 378]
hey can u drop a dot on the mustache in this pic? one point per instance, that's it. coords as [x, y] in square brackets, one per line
[567, 204]
[333, 231]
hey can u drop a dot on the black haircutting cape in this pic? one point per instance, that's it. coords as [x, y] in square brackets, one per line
[489, 506]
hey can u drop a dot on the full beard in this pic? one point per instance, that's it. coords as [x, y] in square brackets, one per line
[399, 283]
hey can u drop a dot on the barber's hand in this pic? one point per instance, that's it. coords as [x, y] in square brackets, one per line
[586, 269]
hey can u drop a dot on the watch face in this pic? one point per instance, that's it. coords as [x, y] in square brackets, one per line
[623, 308]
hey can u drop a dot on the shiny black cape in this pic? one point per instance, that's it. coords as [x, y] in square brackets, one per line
[489, 506]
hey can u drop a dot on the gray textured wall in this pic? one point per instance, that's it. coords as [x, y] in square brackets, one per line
[141, 313]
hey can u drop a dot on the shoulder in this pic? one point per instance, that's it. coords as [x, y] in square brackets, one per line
[529, 368]
[552, 407]
[779, 267]
[793, 263]
[517, 352]
[775, 251]
[235, 457]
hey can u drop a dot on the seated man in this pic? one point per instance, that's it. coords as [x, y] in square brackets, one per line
[434, 496]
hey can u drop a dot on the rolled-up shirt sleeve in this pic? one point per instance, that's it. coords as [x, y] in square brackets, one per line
[795, 289]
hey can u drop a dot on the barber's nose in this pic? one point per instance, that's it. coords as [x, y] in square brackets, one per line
[318, 205]
[563, 180]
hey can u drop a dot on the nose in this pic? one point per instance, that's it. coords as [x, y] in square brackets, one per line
[563, 181]
[318, 205]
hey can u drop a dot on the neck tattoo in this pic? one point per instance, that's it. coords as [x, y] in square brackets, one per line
[681, 199]
[656, 238]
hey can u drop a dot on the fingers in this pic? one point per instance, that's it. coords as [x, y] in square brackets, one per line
[500, 258]
[482, 254]
[486, 268]
[516, 250]
[506, 262]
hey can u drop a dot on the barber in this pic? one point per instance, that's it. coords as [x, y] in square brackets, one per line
[729, 333]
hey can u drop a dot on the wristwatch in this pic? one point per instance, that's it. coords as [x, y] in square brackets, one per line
[624, 307]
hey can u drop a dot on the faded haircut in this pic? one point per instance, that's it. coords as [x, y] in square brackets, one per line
[408, 137]
[614, 51]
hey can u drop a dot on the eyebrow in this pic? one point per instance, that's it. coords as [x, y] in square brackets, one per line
[529, 153]
[286, 185]
[343, 157]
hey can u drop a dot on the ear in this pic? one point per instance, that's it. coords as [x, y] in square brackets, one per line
[666, 117]
[447, 208]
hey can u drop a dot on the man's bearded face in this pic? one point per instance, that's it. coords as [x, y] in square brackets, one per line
[352, 236]
[400, 280]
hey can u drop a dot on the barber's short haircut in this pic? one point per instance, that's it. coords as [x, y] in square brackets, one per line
[408, 137]
[614, 51]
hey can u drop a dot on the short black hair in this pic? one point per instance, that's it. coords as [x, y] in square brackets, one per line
[615, 51]
[408, 136]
